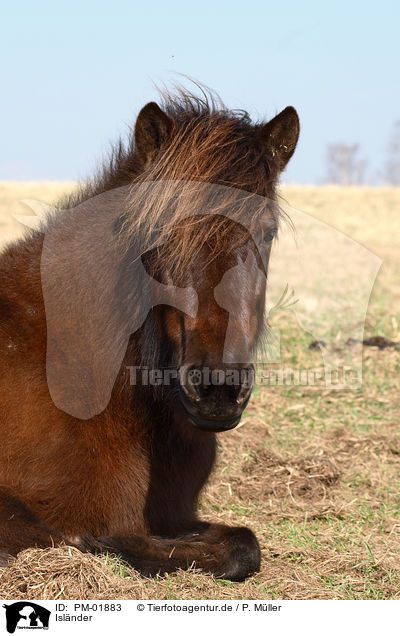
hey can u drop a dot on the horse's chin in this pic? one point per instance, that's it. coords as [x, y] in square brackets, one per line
[213, 426]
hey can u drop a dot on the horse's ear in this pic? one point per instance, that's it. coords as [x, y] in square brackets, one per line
[152, 128]
[280, 135]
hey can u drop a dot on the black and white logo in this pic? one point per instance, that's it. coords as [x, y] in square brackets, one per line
[26, 615]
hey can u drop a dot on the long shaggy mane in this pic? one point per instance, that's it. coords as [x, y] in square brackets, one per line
[213, 162]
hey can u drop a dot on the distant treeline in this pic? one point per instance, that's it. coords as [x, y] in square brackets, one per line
[344, 165]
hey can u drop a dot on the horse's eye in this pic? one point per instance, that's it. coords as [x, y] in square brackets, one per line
[268, 236]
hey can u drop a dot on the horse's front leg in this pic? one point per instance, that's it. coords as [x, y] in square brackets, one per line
[226, 552]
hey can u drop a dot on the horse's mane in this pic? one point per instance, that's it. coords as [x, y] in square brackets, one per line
[181, 104]
[205, 113]
[213, 159]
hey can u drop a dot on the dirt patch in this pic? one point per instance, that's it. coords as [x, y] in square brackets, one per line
[306, 478]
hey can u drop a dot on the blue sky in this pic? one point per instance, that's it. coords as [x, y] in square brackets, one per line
[75, 74]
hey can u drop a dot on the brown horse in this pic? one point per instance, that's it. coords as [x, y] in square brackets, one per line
[125, 477]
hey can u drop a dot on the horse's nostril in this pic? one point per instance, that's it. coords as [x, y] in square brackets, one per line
[190, 380]
[197, 383]
[246, 386]
[191, 392]
[243, 394]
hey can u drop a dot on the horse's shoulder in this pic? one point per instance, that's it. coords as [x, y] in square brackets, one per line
[20, 291]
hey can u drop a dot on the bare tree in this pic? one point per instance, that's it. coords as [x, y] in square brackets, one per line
[343, 164]
[392, 167]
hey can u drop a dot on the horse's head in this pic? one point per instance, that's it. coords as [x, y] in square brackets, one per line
[218, 174]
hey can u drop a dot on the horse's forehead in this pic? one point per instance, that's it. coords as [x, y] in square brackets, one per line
[234, 262]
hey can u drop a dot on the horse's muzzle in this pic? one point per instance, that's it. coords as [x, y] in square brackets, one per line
[215, 407]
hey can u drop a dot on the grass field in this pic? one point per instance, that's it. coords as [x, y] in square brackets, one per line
[314, 472]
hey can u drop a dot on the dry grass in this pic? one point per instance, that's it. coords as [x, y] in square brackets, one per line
[315, 473]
